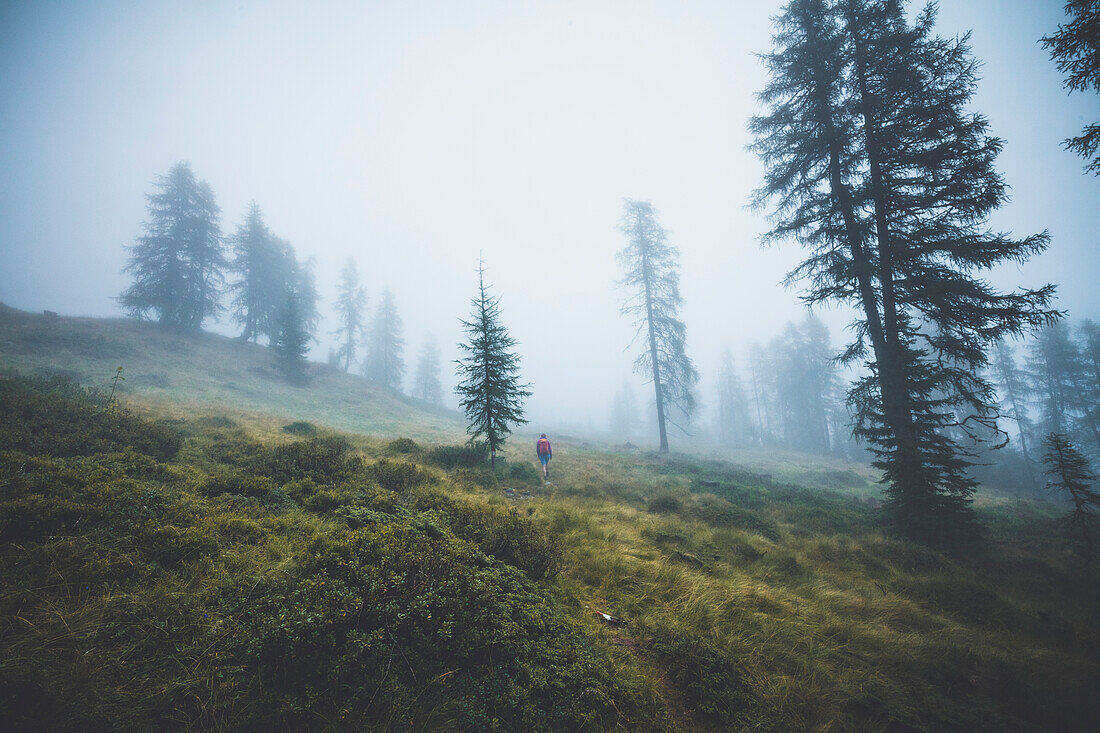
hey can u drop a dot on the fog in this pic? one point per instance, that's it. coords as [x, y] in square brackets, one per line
[417, 136]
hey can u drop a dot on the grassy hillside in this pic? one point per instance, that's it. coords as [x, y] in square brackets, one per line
[186, 375]
[215, 571]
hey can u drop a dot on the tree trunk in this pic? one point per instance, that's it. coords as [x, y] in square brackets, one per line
[891, 378]
[893, 381]
[657, 387]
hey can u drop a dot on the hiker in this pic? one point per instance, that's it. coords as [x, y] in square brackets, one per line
[545, 453]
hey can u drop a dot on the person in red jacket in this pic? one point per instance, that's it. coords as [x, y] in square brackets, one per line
[545, 453]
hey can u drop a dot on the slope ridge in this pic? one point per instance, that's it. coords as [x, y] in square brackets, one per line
[205, 372]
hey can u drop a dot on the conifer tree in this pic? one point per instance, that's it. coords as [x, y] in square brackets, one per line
[758, 369]
[1075, 47]
[1013, 388]
[178, 263]
[296, 320]
[300, 276]
[260, 288]
[878, 167]
[624, 411]
[1070, 473]
[802, 379]
[385, 362]
[1088, 394]
[426, 384]
[489, 389]
[652, 280]
[206, 256]
[732, 403]
[351, 300]
[291, 343]
[1054, 369]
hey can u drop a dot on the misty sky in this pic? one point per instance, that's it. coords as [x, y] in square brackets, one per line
[413, 136]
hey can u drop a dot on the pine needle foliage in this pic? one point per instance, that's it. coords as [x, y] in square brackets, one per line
[875, 163]
[1075, 48]
[292, 342]
[385, 361]
[426, 384]
[651, 276]
[1014, 390]
[264, 266]
[489, 389]
[351, 300]
[178, 264]
[1071, 474]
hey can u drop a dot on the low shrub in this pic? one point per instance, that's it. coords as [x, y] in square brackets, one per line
[706, 676]
[392, 626]
[664, 504]
[522, 473]
[54, 416]
[216, 421]
[327, 460]
[719, 512]
[402, 446]
[232, 481]
[301, 428]
[457, 456]
[399, 476]
[506, 535]
[231, 447]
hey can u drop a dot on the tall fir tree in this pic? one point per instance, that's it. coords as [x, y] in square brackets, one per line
[385, 361]
[489, 387]
[879, 168]
[178, 264]
[652, 281]
[351, 302]
[260, 288]
[1089, 386]
[758, 370]
[302, 279]
[803, 380]
[426, 385]
[1012, 386]
[1070, 473]
[624, 411]
[291, 343]
[1054, 369]
[732, 404]
[1075, 47]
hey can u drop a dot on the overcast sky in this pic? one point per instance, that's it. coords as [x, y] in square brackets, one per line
[413, 136]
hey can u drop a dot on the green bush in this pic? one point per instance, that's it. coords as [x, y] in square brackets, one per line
[510, 537]
[402, 446]
[230, 481]
[721, 513]
[301, 428]
[390, 626]
[664, 504]
[231, 447]
[216, 421]
[53, 416]
[457, 456]
[522, 473]
[707, 677]
[399, 476]
[327, 461]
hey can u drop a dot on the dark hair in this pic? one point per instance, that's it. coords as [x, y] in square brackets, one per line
[543, 435]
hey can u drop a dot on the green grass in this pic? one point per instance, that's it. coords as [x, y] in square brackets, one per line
[260, 569]
[183, 376]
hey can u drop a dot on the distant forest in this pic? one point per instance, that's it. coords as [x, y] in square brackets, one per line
[184, 271]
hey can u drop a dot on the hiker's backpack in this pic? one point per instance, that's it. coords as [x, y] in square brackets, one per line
[543, 447]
